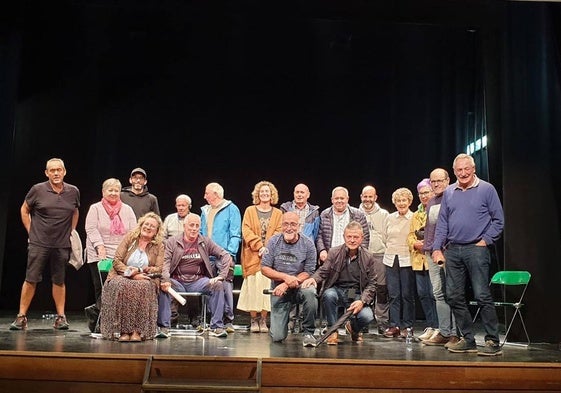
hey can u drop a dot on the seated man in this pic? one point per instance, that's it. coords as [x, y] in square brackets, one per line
[290, 260]
[187, 268]
[348, 279]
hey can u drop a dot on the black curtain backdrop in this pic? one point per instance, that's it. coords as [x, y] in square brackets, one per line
[308, 92]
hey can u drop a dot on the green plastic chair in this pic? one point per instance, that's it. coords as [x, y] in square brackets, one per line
[103, 266]
[510, 278]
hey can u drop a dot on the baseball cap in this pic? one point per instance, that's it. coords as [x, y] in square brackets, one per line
[139, 170]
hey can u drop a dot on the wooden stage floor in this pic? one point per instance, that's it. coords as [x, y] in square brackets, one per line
[41, 341]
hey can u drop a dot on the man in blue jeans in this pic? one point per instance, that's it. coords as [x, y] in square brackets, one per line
[291, 259]
[470, 220]
[348, 279]
[187, 268]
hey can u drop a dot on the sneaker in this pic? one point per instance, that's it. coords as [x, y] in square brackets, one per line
[219, 332]
[462, 346]
[309, 340]
[163, 332]
[254, 326]
[490, 348]
[451, 341]
[229, 328]
[263, 326]
[391, 332]
[355, 336]
[435, 333]
[381, 330]
[20, 323]
[437, 339]
[61, 323]
[427, 334]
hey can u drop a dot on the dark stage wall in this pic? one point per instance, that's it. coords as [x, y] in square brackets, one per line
[327, 95]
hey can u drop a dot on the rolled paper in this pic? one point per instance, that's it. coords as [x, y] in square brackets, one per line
[177, 296]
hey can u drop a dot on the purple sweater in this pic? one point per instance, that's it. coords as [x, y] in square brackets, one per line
[468, 216]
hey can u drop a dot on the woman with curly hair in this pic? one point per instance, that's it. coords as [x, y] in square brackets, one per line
[129, 301]
[260, 221]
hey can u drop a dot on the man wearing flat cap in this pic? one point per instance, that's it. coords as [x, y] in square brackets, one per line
[137, 195]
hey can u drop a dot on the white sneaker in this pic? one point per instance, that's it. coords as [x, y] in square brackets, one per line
[309, 341]
[427, 334]
[218, 332]
[434, 334]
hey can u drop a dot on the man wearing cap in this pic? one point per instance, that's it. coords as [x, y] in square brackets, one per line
[137, 195]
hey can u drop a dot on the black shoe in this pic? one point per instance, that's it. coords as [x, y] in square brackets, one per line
[92, 314]
[174, 319]
[61, 323]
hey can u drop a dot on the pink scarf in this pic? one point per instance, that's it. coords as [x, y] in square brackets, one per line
[117, 227]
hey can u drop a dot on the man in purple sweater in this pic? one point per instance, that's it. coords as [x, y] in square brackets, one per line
[470, 220]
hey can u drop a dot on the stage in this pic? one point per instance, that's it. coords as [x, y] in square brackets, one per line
[45, 360]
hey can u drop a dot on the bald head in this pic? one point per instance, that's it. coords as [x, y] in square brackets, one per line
[290, 226]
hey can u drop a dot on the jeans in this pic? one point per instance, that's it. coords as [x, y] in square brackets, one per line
[335, 297]
[401, 288]
[280, 312]
[228, 301]
[446, 320]
[470, 262]
[382, 308]
[216, 303]
[426, 297]
[228, 292]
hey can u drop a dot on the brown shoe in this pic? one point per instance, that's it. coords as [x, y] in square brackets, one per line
[391, 332]
[453, 340]
[124, 337]
[439, 339]
[333, 339]
[355, 336]
[135, 337]
[20, 323]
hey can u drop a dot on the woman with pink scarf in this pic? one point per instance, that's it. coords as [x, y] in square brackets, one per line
[107, 222]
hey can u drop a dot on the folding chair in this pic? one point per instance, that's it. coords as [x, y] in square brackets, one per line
[510, 278]
[103, 266]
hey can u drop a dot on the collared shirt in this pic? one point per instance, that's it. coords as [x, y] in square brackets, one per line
[339, 224]
[173, 225]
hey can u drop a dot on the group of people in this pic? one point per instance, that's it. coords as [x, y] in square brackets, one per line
[297, 260]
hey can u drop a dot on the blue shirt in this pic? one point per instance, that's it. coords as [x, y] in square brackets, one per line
[290, 258]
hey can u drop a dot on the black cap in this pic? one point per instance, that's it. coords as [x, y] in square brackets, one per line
[139, 170]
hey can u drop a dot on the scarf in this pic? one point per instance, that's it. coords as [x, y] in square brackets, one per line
[117, 227]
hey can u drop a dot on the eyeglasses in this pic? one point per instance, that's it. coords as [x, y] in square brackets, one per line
[425, 193]
[438, 181]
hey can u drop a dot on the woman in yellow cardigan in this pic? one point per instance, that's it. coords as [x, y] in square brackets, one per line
[260, 221]
[419, 262]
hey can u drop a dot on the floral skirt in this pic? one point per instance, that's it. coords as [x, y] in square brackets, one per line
[129, 305]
